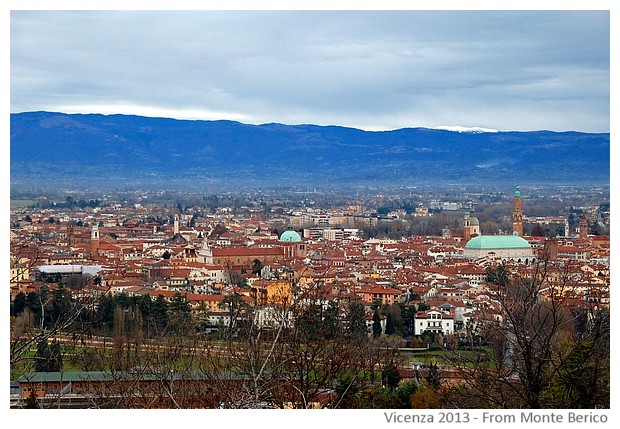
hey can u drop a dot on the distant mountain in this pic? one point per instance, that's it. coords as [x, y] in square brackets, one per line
[58, 149]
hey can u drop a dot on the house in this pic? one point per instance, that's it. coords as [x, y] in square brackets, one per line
[265, 292]
[381, 294]
[434, 321]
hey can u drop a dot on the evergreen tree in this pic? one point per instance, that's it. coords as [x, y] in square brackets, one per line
[179, 312]
[159, 314]
[257, 266]
[376, 324]
[404, 392]
[60, 305]
[433, 377]
[389, 324]
[357, 320]
[390, 376]
[18, 304]
[41, 356]
[31, 401]
[331, 321]
[48, 358]
[499, 275]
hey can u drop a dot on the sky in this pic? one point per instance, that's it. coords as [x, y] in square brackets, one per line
[369, 69]
[527, 67]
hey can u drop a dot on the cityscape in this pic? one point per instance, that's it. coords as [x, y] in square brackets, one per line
[382, 301]
[402, 214]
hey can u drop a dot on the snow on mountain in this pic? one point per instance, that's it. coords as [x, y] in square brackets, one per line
[459, 129]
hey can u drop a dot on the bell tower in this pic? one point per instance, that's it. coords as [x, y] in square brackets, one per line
[176, 224]
[517, 214]
[94, 239]
[70, 234]
[583, 227]
[466, 227]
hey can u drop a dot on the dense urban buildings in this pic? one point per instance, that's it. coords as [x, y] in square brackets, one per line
[224, 264]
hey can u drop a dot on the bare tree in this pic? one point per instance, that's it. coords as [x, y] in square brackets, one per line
[25, 335]
[523, 353]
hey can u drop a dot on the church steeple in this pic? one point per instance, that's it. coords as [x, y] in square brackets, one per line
[583, 227]
[205, 254]
[94, 239]
[466, 227]
[176, 224]
[70, 234]
[517, 214]
[471, 224]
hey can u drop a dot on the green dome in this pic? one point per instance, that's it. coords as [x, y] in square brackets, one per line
[517, 191]
[489, 242]
[290, 236]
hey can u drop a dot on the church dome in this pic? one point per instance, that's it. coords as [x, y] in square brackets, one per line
[489, 242]
[290, 236]
[473, 221]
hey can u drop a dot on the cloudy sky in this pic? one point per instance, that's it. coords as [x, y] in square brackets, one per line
[375, 70]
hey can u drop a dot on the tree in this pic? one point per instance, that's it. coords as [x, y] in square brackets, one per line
[331, 324]
[535, 348]
[18, 304]
[390, 328]
[49, 314]
[404, 394]
[60, 303]
[433, 377]
[238, 310]
[423, 306]
[179, 314]
[499, 275]
[390, 376]
[48, 357]
[257, 266]
[581, 376]
[407, 316]
[31, 400]
[376, 324]
[158, 319]
[357, 320]
[538, 231]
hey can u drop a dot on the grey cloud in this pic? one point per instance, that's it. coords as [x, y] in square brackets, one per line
[503, 70]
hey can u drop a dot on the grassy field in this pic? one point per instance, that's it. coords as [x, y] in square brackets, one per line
[22, 203]
[445, 357]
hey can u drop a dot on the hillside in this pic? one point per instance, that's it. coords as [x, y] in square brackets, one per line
[120, 150]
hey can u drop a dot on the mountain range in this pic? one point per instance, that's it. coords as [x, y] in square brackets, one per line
[58, 149]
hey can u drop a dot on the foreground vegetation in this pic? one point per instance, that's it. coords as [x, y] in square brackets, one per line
[540, 354]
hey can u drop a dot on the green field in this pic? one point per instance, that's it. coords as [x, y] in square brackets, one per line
[444, 357]
[22, 203]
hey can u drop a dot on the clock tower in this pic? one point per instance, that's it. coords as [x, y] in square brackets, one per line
[517, 214]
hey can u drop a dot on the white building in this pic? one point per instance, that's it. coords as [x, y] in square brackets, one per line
[433, 321]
